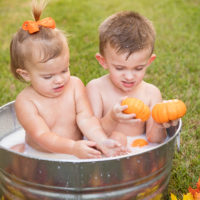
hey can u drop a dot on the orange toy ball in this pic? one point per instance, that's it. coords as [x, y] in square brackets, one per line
[137, 107]
[169, 110]
[139, 143]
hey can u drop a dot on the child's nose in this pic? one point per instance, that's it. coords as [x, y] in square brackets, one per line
[129, 75]
[58, 79]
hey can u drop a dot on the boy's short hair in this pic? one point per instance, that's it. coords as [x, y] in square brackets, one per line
[127, 32]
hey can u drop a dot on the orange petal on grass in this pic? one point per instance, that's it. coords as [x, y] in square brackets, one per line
[197, 196]
[195, 191]
[139, 143]
[198, 184]
[192, 191]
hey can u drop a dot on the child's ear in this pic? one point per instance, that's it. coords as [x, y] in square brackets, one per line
[151, 59]
[101, 60]
[24, 74]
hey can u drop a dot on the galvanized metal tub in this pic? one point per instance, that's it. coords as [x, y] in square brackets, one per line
[140, 176]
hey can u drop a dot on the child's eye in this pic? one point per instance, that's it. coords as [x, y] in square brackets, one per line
[64, 71]
[119, 68]
[139, 68]
[47, 77]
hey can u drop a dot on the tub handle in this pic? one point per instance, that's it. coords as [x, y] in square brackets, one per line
[178, 143]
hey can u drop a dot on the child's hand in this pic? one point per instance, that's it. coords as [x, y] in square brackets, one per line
[168, 112]
[85, 149]
[111, 148]
[118, 115]
[171, 123]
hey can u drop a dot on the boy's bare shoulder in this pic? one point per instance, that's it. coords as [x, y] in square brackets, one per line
[150, 88]
[152, 92]
[98, 82]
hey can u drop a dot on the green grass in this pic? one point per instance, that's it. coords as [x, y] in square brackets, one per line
[176, 71]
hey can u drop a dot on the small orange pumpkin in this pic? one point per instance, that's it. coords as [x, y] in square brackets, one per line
[139, 143]
[169, 110]
[137, 107]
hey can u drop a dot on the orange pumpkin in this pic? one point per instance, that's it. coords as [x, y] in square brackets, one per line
[139, 143]
[169, 110]
[137, 107]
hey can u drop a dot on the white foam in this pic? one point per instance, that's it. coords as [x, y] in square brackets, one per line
[139, 149]
[18, 137]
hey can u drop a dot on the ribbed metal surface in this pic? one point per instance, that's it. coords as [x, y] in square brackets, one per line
[141, 176]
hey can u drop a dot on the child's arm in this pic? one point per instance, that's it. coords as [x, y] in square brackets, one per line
[90, 125]
[155, 132]
[108, 122]
[112, 118]
[38, 130]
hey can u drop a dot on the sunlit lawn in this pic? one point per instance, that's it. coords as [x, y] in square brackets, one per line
[176, 70]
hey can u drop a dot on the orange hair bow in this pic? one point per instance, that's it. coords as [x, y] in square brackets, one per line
[33, 26]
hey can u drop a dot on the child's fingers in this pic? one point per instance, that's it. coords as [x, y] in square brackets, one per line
[111, 143]
[127, 116]
[123, 107]
[124, 150]
[121, 151]
[90, 143]
[174, 122]
[118, 108]
[93, 153]
[128, 121]
[166, 125]
[123, 98]
[171, 123]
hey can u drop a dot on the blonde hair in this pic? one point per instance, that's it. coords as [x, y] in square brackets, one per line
[48, 43]
[127, 32]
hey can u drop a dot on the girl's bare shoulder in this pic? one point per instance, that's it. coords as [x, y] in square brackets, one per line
[25, 94]
[25, 99]
[75, 82]
[75, 79]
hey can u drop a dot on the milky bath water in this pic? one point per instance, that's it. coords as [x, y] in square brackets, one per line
[18, 137]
